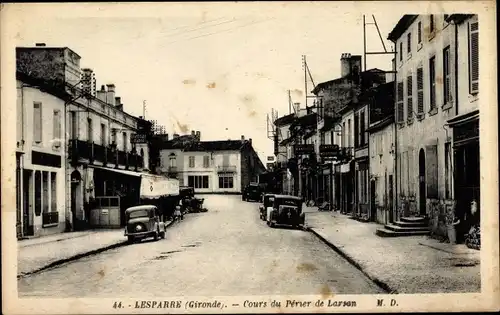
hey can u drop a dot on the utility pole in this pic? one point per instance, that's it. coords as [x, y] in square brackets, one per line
[304, 65]
[289, 102]
[144, 109]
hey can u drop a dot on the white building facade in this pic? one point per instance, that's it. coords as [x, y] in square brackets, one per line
[425, 101]
[41, 161]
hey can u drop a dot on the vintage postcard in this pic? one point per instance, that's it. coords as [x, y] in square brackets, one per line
[249, 157]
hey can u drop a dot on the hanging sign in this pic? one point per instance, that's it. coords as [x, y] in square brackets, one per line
[304, 149]
[329, 150]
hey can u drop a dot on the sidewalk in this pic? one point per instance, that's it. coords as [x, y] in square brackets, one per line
[41, 253]
[401, 264]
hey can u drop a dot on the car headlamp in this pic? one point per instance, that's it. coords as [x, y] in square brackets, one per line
[138, 227]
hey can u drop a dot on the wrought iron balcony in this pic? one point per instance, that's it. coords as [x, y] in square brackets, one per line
[81, 151]
[226, 169]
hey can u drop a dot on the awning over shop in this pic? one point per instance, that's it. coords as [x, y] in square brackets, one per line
[152, 186]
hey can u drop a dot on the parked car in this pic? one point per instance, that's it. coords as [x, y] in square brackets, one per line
[252, 192]
[286, 210]
[267, 201]
[143, 222]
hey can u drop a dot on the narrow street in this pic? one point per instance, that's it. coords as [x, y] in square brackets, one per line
[226, 251]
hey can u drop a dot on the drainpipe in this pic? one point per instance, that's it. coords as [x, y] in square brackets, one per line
[395, 166]
[456, 68]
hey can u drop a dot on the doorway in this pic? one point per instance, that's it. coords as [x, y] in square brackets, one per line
[373, 206]
[421, 181]
[391, 201]
[28, 203]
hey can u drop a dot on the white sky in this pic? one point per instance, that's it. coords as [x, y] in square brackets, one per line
[170, 54]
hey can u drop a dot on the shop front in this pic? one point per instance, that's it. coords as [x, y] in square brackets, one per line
[467, 172]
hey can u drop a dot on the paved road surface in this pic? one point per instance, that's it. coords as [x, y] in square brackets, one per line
[226, 251]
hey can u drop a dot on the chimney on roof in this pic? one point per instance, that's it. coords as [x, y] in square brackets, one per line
[40, 45]
[110, 96]
[345, 64]
[175, 136]
[101, 94]
[242, 138]
[250, 141]
[297, 107]
[118, 103]
[193, 133]
[198, 135]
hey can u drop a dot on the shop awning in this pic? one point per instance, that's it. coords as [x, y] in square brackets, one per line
[152, 186]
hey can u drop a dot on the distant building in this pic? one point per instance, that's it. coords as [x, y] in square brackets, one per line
[381, 153]
[226, 166]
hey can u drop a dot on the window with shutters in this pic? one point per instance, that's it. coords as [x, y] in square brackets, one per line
[420, 90]
[431, 23]
[191, 161]
[446, 76]
[401, 51]
[37, 122]
[409, 99]
[206, 161]
[432, 83]
[409, 43]
[419, 32]
[356, 130]
[400, 104]
[474, 57]
[57, 128]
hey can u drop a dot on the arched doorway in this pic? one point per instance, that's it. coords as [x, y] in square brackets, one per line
[421, 181]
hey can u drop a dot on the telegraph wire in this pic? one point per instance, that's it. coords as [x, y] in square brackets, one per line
[223, 31]
[200, 28]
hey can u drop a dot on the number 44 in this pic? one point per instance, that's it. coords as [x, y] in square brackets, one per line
[117, 305]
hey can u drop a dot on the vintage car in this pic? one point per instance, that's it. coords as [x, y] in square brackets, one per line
[143, 222]
[267, 201]
[252, 192]
[286, 210]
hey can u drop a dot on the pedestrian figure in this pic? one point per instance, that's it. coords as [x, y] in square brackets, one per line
[178, 213]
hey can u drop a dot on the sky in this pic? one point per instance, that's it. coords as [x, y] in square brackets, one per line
[219, 69]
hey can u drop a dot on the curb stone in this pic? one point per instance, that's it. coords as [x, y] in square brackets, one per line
[78, 256]
[381, 284]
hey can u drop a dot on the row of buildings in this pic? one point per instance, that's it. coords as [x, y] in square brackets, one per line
[400, 144]
[79, 151]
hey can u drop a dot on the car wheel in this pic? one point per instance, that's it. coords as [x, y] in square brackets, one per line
[156, 236]
[130, 239]
[162, 234]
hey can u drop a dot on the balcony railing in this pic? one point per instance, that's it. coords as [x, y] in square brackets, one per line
[50, 218]
[83, 151]
[226, 169]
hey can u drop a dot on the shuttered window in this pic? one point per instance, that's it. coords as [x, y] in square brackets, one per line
[446, 75]
[432, 81]
[401, 51]
[409, 43]
[420, 90]
[400, 102]
[409, 93]
[419, 32]
[474, 57]
[37, 122]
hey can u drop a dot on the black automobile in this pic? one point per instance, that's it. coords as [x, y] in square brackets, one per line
[252, 192]
[286, 210]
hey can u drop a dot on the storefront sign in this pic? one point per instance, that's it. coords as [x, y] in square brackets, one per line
[466, 131]
[329, 150]
[46, 159]
[138, 138]
[304, 149]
